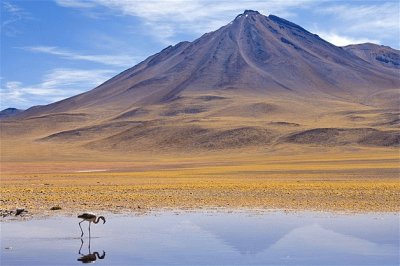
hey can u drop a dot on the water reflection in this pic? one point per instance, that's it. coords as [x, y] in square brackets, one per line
[90, 257]
[249, 236]
[208, 238]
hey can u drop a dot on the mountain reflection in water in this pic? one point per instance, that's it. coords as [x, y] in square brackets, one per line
[208, 237]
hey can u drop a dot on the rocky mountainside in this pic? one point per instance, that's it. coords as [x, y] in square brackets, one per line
[260, 81]
[379, 55]
[252, 54]
[9, 112]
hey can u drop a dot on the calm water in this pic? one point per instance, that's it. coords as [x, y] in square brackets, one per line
[207, 238]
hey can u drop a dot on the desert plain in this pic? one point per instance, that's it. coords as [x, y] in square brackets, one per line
[256, 158]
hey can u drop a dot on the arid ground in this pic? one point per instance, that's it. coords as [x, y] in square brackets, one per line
[328, 181]
[315, 159]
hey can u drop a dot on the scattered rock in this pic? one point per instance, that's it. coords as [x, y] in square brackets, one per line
[20, 211]
[55, 208]
[17, 212]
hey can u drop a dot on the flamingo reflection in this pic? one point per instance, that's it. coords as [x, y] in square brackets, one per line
[91, 257]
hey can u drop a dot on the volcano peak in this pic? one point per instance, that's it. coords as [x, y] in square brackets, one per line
[250, 12]
[247, 13]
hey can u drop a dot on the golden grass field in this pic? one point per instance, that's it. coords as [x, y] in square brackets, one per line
[325, 181]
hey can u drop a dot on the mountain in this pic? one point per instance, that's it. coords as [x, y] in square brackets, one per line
[253, 53]
[260, 81]
[9, 112]
[379, 55]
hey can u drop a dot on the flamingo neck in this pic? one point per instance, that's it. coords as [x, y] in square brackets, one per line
[98, 219]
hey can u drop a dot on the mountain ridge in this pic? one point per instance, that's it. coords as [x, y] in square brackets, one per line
[259, 81]
[314, 61]
[9, 112]
[374, 53]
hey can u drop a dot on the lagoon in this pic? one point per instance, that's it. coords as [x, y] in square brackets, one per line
[212, 237]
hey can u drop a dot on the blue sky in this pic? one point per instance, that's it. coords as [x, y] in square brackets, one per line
[51, 50]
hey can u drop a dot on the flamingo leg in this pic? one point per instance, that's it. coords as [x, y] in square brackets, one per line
[81, 247]
[81, 227]
[89, 245]
[89, 228]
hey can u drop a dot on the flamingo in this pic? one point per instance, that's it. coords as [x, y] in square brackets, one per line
[90, 217]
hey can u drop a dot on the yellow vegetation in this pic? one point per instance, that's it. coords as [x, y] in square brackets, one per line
[338, 182]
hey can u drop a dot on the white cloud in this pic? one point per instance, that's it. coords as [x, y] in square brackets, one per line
[340, 40]
[12, 14]
[114, 60]
[12, 92]
[379, 19]
[14, 11]
[74, 3]
[57, 84]
[167, 18]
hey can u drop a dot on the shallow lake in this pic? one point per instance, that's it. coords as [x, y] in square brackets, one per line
[207, 237]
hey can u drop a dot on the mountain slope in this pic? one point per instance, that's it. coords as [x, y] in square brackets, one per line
[379, 55]
[258, 82]
[252, 54]
[9, 112]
